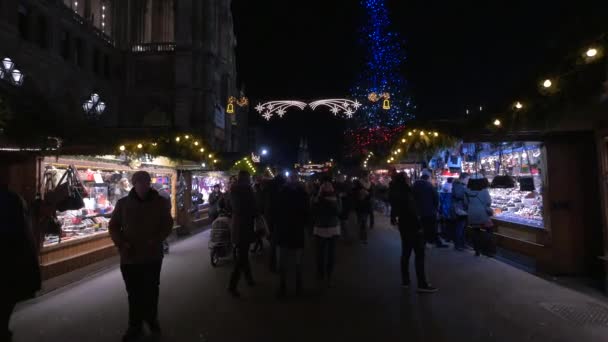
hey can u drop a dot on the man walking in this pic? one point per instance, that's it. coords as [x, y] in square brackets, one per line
[294, 211]
[244, 211]
[139, 225]
[403, 214]
[427, 205]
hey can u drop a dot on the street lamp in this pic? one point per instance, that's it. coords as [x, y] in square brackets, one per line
[9, 73]
[94, 105]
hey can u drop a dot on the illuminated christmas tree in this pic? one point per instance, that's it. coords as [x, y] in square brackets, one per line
[387, 106]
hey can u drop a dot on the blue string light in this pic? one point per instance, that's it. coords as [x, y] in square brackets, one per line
[382, 72]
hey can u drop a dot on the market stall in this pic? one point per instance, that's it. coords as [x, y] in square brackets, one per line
[84, 236]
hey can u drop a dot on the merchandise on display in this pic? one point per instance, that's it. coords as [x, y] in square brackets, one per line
[203, 183]
[522, 207]
[104, 189]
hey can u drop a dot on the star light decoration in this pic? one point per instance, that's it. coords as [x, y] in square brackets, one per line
[279, 108]
[338, 106]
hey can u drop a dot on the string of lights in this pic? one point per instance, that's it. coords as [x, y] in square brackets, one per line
[554, 84]
[183, 146]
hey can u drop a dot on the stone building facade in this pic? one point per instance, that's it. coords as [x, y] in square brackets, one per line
[155, 63]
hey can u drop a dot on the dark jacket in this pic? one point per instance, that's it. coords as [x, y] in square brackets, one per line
[18, 251]
[362, 195]
[426, 198]
[459, 199]
[479, 207]
[327, 210]
[272, 202]
[344, 192]
[293, 214]
[244, 212]
[402, 205]
[139, 227]
[214, 201]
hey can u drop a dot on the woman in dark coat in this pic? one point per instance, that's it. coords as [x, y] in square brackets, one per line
[19, 254]
[244, 211]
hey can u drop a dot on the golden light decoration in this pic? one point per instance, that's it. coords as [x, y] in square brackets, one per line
[497, 123]
[373, 97]
[386, 96]
[154, 144]
[122, 147]
[403, 140]
[230, 109]
[178, 139]
[140, 146]
[196, 143]
[187, 137]
[202, 150]
[399, 150]
[388, 160]
[210, 156]
[547, 83]
[386, 104]
[421, 133]
[519, 105]
[409, 134]
[436, 134]
[243, 101]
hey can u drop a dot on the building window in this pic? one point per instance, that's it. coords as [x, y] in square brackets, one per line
[65, 45]
[23, 22]
[96, 62]
[79, 53]
[43, 30]
[106, 67]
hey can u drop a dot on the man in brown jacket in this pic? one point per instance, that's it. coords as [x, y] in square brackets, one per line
[139, 225]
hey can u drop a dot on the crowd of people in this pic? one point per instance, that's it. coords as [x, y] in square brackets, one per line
[284, 211]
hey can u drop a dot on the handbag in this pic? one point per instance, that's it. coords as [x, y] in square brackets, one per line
[460, 212]
[68, 195]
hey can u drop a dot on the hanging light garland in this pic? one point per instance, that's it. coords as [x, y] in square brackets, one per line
[179, 147]
[245, 164]
[420, 141]
[550, 85]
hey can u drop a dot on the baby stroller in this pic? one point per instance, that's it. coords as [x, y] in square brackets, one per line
[220, 243]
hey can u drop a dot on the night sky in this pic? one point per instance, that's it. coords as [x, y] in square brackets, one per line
[459, 55]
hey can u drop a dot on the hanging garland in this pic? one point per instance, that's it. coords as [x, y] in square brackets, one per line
[585, 74]
[244, 164]
[179, 147]
[420, 142]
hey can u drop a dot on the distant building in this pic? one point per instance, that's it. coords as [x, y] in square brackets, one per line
[156, 63]
[303, 154]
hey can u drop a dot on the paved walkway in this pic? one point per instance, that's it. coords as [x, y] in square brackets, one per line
[480, 299]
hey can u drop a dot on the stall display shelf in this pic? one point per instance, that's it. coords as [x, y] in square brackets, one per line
[515, 206]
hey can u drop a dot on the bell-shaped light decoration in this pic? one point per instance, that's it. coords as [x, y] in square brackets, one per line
[8, 64]
[87, 106]
[100, 108]
[230, 108]
[17, 77]
[386, 104]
